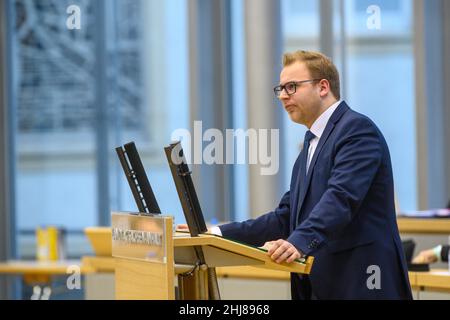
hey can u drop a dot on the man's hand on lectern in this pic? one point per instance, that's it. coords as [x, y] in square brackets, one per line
[182, 227]
[185, 228]
[282, 250]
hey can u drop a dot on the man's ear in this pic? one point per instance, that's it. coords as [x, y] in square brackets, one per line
[324, 86]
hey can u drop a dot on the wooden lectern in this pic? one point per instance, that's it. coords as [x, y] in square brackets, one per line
[150, 259]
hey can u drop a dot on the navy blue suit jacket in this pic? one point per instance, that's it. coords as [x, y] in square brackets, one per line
[346, 217]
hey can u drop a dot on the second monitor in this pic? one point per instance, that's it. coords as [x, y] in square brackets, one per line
[185, 188]
[137, 179]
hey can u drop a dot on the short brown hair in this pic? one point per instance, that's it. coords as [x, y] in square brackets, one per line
[319, 66]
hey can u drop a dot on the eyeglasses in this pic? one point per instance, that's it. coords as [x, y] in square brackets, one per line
[290, 87]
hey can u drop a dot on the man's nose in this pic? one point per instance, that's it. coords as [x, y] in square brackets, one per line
[283, 95]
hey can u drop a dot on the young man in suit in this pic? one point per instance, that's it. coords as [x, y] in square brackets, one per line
[340, 205]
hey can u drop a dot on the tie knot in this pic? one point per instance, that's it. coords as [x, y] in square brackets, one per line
[309, 136]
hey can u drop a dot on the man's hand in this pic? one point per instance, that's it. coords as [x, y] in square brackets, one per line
[182, 227]
[267, 245]
[281, 250]
[426, 256]
[185, 228]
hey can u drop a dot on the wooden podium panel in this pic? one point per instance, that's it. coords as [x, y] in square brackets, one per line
[139, 280]
[142, 247]
[139, 275]
[221, 252]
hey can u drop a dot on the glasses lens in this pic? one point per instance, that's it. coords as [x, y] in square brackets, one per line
[290, 87]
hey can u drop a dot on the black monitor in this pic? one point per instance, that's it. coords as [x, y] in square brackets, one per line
[185, 188]
[408, 249]
[191, 207]
[137, 179]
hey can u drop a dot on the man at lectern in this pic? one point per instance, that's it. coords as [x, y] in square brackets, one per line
[340, 205]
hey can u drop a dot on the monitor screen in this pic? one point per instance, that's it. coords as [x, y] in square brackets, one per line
[137, 179]
[185, 188]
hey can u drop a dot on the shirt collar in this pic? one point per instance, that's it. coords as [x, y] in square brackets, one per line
[319, 125]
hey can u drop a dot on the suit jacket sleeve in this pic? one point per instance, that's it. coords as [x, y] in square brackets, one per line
[357, 157]
[270, 226]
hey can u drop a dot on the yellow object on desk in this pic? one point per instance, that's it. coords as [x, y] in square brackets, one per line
[50, 244]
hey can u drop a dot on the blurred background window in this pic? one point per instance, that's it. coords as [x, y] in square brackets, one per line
[138, 70]
[377, 74]
[124, 76]
[301, 31]
[379, 80]
[80, 93]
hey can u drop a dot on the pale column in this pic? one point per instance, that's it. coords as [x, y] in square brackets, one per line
[263, 59]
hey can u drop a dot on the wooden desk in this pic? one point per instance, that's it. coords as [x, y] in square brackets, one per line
[248, 272]
[438, 279]
[98, 264]
[412, 279]
[434, 280]
[33, 272]
[41, 271]
[434, 226]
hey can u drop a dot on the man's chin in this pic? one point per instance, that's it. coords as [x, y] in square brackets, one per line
[294, 117]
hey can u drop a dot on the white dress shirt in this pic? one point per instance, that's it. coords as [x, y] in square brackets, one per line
[216, 230]
[317, 129]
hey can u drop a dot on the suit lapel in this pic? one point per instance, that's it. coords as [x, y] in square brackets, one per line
[340, 110]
